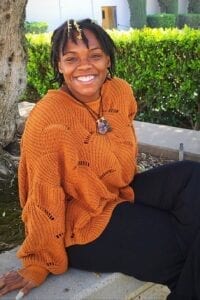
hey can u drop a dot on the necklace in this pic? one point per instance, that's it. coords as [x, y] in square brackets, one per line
[102, 125]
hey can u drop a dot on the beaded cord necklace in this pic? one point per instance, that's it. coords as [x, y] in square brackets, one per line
[102, 125]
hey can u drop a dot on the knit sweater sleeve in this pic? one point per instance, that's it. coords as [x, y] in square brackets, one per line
[44, 206]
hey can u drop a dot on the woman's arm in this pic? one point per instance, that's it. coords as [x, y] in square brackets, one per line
[44, 205]
[44, 210]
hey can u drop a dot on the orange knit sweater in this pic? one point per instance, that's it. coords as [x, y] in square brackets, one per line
[70, 177]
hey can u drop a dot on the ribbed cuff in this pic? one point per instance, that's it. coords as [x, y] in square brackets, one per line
[36, 274]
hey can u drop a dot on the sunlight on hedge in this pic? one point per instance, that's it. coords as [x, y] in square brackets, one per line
[39, 38]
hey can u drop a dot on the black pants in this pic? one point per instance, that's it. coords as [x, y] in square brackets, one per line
[157, 238]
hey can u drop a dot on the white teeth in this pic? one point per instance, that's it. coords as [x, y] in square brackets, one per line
[85, 78]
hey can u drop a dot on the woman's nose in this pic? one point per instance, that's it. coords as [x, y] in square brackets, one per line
[84, 63]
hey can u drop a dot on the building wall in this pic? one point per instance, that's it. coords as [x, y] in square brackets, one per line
[152, 7]
[183, 6]
[55, 12]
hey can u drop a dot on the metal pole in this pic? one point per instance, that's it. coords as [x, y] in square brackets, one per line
[60, 12]
[92, 9]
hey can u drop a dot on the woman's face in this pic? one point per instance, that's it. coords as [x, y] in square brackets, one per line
[84, 69]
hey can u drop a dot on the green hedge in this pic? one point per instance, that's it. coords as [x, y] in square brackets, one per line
[168, 6]
[161, 20]
[172, 20]
[194, 6]
[162, 66]
[191, 20]
[138, 13]
[39, 71]
[35, 27]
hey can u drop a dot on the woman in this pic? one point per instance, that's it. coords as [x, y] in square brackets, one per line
[84, 205]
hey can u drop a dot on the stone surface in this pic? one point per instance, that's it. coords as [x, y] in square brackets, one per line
[81, 285]
[150, 291]
[8, 165]
[162, 140]
[75, 284]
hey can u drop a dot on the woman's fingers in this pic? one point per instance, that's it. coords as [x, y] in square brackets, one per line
[11, 277]
[2, 282]
[28, 287]
[9, 283]
[12, 281]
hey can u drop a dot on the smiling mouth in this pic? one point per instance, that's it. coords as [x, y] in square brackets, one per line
[87, 78]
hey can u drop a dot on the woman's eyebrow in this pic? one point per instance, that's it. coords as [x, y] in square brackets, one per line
[95, 48]
[74, 52]
[69, 52]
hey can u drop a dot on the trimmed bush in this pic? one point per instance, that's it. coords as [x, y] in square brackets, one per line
[138, 13]
[191, 20]
[39, 71]
[35, 27]
[163, 68]
[194, 6]
[161, 20]
[168, 6]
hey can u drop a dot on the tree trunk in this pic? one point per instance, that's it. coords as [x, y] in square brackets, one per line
[197, 124]
[12, 66]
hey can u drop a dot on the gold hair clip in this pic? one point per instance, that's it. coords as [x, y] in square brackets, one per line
[69, 27]
[79, 30]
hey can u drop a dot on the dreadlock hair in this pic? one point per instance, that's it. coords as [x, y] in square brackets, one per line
[68, 31]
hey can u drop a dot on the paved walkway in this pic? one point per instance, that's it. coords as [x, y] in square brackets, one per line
[78, 285]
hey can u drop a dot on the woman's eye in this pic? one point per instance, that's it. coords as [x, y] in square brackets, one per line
[70, 59]
[96, 56]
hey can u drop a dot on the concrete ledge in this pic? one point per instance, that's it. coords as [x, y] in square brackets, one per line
[81, 285]
[150, 291]
[167, 153]
[162, 140]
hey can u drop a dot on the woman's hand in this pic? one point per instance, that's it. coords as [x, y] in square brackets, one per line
[12, 281]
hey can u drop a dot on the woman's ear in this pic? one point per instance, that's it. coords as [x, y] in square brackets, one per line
[109, 63]
[60, 67]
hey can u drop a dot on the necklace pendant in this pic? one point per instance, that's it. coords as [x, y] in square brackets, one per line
[103, 126]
